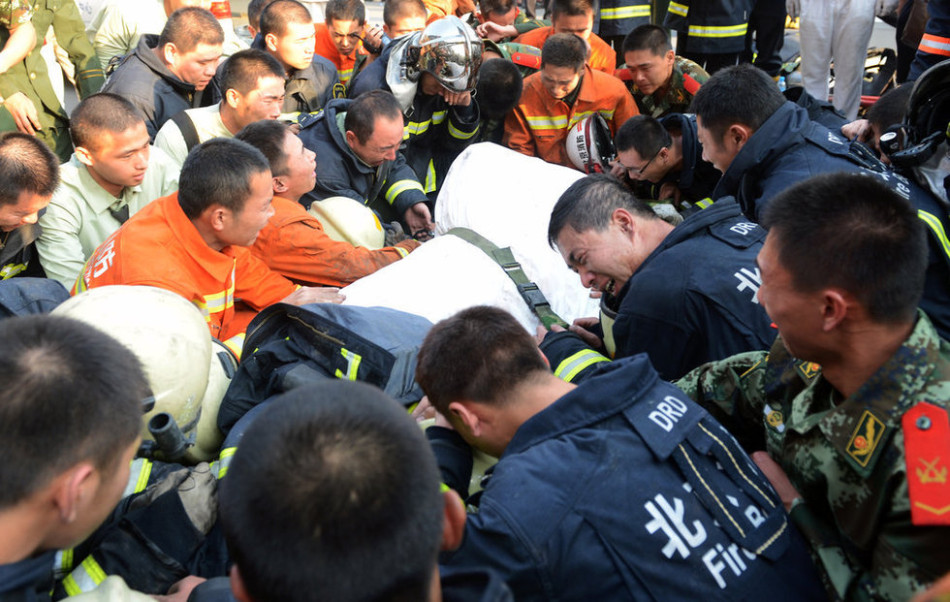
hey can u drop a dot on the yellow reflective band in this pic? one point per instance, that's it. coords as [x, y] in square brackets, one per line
[430, 177]
[706, 202]
[575, 364]
[625, 12]
[402, 252]
[352, 365]
[85, 578]
[725, 31]
[546, 122]
[401, 186]
[934, 223]
[459, 134]
[439, 116]
[216, 303]
[236, 344]
[678, 9]
[140, 471]
[224, 461]
[11, 269]
[443, 488]
[345, 75]
[63, 561]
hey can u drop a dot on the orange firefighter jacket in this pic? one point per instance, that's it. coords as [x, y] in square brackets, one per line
[538, 126]
[346, 66]
[294, 244]
[159, 246]
[602, 56]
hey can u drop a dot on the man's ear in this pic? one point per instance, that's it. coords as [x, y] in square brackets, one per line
[279, 185]
[453, 521]
[170, 53]
[84, 156]
[737, 135]
[624, 219]
[351, 138]
[237, 585]
[217, 217]
[270, 40]
[835, 307]
[231, 96]
[670, 56]
[467, 416]
[74, 486]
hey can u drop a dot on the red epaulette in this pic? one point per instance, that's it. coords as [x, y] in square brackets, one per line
[526, 60]
[926, 430]
[623, 74]
[691, 85]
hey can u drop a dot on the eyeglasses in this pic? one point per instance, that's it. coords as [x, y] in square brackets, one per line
[644, 168]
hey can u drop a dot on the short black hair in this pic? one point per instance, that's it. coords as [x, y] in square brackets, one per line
[333, 492]
[361, 114]
[26, 165]
[345, 10]
[571, 8]
[891, 108]
[69, 393]
[254, 10]
[497, 352]
[98, 113]
[647, 37]
[267, 136]
[244, 69]
[498, 7]
[564, 50]
[218, 172]
[189, 26]
[499, 88]
[393, 10]
[870, 241]
[590, 202]
[740, 94]
[643, 134]
[278, 15]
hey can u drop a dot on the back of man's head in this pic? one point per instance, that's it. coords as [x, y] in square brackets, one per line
[333, 493]
[243, 70]
[395, 11]
[499, 88]
[362, 113]
[187, 27]
[497, 7]
[589, 203]
[564, 50]
[69, 394]
[218, 172]
[268, 136]
[742, 94]
[278, 15]
[571, 8]
[100, 113]
[643, 134]
[254, 10]
[891, 108]
[499, 355]
[869, 240]
[345, 10]
[26, 165]
[648, 37]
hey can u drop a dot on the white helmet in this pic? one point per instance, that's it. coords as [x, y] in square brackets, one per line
[208, 438]
[167, 334]
[348, 220]
[590, 146]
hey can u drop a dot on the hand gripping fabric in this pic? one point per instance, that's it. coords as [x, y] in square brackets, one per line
[529, 291]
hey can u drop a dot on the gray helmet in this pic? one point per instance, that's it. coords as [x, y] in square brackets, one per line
[451, 51]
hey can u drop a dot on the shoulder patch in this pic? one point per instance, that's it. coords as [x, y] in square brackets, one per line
[740, 233]
[927, 452]
[865, 438]
[526, 60]
[339, 91]
[691, 85]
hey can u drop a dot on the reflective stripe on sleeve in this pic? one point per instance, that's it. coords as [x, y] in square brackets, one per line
[568, 369]
[725, 31]
[85, 578]
[401, 186]
[352, 365]
[937, 228]
[932, 44]
[678, 9]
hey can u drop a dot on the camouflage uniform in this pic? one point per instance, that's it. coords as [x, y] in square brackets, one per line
[677, 98]
[14, 13]
[846, 457]
[30, 76]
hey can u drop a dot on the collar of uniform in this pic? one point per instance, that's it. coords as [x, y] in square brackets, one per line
[592, 401]
[33, 573]
[219, 264]
[884, 397]
[587, 93]
[95, 195]
[724, 208]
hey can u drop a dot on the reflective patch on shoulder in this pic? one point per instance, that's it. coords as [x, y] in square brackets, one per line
[865, 438]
